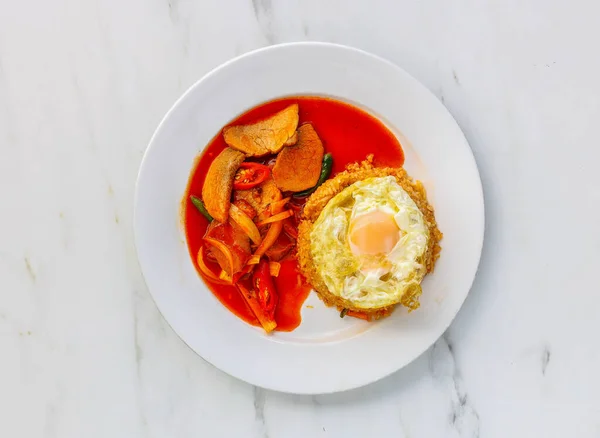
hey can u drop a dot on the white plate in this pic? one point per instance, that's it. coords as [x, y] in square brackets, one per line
[326, 353]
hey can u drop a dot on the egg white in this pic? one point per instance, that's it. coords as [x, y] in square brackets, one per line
[367, 281]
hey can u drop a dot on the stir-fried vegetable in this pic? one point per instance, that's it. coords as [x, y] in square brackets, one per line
[245, 224]
[270, 238]
[290, 229]
[254, 259]
[229, 245]
[250, 175]
[200, 207]
[325, 172]
[278, 206]
[280, 248]
[205, 269]
[274, 268]
[276, 218]
[272, 233]
[246, 207]
[225, 277]
[265, 214]
[267, 321]
[354, 314]
[217, 245]
[265, 288]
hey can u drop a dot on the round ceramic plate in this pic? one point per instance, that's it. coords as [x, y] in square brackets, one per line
[325, 353]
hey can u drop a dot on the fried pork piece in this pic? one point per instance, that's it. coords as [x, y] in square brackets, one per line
[292, 140]
[298, 167]
[259, 197]
[216, 191]
[268, 136]
[245, 207]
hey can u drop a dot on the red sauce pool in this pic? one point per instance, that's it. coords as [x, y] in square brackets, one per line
[348, 133]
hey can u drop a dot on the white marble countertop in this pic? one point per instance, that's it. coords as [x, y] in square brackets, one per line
[84, 351]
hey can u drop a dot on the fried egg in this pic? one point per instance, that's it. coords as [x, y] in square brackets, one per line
[369, 244]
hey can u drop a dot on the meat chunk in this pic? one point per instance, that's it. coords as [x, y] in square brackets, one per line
[216, 191]
[298, 167]
[240, 239]
[268, 136]
[259, 197]
[280, 249]
[246, 208]
[292, 140]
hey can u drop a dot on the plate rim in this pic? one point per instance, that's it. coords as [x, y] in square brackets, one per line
[216, 70]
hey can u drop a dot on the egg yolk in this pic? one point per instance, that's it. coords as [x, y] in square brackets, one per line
[374, 233]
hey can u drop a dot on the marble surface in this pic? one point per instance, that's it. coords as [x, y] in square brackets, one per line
[84, 351]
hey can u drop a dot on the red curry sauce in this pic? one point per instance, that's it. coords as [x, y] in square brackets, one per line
[348, 133]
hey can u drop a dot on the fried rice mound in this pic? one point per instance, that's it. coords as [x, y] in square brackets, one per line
[317, 201]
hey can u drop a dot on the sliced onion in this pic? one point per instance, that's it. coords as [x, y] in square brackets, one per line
[274, 268]
[245, 271]
[278, 206]
[273, 232]
[245, 224]
[265, 214]
[254, 260]
[220, 246]
[225, 277]
[276, 218]
[270, 238]
[205, 270]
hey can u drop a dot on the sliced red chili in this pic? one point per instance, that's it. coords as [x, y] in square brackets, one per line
[265, 288]
[250, 175]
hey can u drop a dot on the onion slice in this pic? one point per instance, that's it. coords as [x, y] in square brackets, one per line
[274, 268]
[245, 223]
[276, 218]
[277, 206]
[225, 277]
[220, 246]
[266, 213]
[205, 270]
[272, 233]
[270, 238]
[254, 260]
